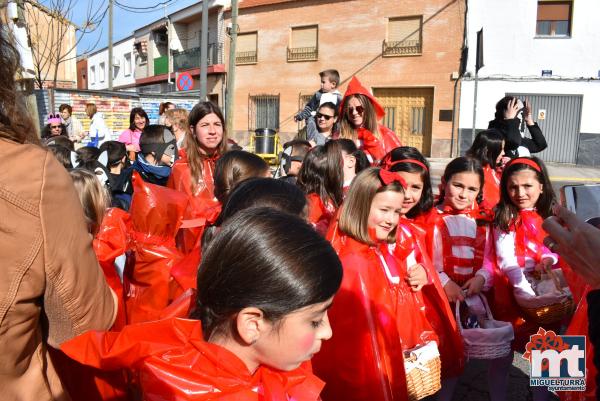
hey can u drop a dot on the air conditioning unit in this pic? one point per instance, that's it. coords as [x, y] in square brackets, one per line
[161, 38]
[116, 62]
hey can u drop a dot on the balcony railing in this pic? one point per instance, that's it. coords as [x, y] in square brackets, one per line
[161, 65]
[401, 48]
[302, 53]
[246, 57]
[190, 58]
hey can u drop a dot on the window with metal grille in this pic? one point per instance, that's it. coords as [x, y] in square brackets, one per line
[304, 43]
[404, 36]
[263, 112]
[417, 120]
[554, 18]
[390, 118]
[246, 48]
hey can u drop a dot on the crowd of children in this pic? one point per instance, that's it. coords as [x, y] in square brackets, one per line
[230, 282]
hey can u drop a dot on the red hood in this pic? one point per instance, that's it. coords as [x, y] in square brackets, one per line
[355, 88]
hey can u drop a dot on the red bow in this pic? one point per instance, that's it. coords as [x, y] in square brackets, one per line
[387, 177]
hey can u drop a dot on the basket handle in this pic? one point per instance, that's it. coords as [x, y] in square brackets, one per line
[457, 315]
[488, 311]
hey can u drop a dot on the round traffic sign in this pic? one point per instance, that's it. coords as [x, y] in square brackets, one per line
[185, 81]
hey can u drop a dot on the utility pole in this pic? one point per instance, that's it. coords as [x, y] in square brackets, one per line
[204, 50]
[229, 100]
[110, 44]
[168, 50]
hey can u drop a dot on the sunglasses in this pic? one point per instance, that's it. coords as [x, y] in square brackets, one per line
[325, 116]
[55, 126]
[359, 110]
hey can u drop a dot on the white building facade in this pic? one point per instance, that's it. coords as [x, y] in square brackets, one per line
[547, 52]
[123, 66]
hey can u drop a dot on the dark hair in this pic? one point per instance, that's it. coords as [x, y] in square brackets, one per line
[137, 111]
[501, 107]
[459, 165]
[322, 173]
[235, 166]
[332, 75]
[62, 154]
[152, 134]
[331, 106]
[65, 106]
[164, 107]
[47, 131]
[115, 150]
[506, 212]
[259, 192]
[408, 152]
[300, 147]
[60, 140]
[16, 123]
[266, 265]
[348, 146]
[191, 144]
[486, 147]
[86, 154]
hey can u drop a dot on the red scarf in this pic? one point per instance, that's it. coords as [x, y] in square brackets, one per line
[529, 236]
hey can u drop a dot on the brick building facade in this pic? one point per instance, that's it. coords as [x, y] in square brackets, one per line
[407, 52]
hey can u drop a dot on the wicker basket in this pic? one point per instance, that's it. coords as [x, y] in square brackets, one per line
[423, 371]
[488, 342]
[554, 312]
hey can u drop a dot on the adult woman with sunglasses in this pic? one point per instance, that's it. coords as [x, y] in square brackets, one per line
[326, 117]
[360, 112]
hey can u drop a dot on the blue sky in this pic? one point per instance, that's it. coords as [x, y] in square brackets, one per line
[124, 22]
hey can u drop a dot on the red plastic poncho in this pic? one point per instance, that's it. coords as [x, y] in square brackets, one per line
[437, 309]
[388, 140]
[491, 187]
[364, 358]
[173, 362]
[156, 214]
[319, 214]
[202, 204]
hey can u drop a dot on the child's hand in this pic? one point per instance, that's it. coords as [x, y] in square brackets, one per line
[417, 277]
[453, 292]
[474, 285]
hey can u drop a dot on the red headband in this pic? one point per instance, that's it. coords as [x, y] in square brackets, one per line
[389, 164]
[387, 177]
[529, 162]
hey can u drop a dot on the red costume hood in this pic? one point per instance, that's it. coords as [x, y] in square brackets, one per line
[356, 88]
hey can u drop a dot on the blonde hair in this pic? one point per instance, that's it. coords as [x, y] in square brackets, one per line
[91, 109]
[93, 197]
[354, 216]
[179, 117]
[347, 130]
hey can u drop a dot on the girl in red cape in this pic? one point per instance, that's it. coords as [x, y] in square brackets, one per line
[257, 328]
[462, 249]
[411, 240]
[364, 360]
[359, 113]
[526, 199]
[321, 178]
[488, 148]
[192, 173]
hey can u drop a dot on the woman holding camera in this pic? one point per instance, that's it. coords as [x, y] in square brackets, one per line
[508, 123]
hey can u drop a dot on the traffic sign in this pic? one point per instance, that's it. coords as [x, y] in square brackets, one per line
[185, 81]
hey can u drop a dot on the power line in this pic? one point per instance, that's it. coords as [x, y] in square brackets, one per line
[144, 8]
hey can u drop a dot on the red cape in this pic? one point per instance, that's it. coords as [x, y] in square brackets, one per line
[156, 214]
[173, 362]
[491, 187]
[364, 358]
[318, 214]
[202, 205]
[437, 308]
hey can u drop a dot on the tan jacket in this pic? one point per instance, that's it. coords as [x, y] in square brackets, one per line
[51, 287]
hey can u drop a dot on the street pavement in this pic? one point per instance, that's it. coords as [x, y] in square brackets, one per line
[473, 383]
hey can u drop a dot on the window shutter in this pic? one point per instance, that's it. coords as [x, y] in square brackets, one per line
[553, 12]
[304, 37]
[401, 29]
[246, 42]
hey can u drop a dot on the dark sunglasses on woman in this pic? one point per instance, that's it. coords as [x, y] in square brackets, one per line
[359, 110]
[325, 116]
